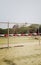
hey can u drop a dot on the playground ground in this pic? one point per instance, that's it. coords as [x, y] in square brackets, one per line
[27, 54]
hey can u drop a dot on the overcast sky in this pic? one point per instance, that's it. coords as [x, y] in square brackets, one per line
[20, 11]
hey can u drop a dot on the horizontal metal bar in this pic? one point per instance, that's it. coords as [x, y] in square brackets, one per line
[4, 22]
[18, 23]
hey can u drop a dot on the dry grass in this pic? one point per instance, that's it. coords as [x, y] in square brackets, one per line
[20, 39]
[29, 54]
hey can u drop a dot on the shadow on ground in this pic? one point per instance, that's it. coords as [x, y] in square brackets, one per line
[9, 62]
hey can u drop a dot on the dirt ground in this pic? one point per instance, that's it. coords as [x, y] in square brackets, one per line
[28, 54]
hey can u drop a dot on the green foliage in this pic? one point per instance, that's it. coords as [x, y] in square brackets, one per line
[3, 31]
[40, 29]
[33, 28]
[23, 29]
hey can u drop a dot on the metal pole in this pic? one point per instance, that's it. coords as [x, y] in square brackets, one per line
[8, 34]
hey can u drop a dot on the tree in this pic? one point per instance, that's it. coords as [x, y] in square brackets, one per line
[15, 28]
[40, 29]
[33, 28]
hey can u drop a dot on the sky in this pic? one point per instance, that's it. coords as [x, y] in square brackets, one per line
[20, 11]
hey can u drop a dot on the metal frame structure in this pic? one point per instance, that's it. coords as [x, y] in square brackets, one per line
[17, 23]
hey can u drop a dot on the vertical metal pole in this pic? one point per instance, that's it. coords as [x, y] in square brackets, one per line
[8, 34]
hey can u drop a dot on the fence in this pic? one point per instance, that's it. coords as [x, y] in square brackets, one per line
[17, 33]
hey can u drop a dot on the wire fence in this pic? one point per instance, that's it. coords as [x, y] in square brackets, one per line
[17, 33]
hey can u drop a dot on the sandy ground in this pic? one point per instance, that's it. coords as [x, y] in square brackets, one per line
[28, 54]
